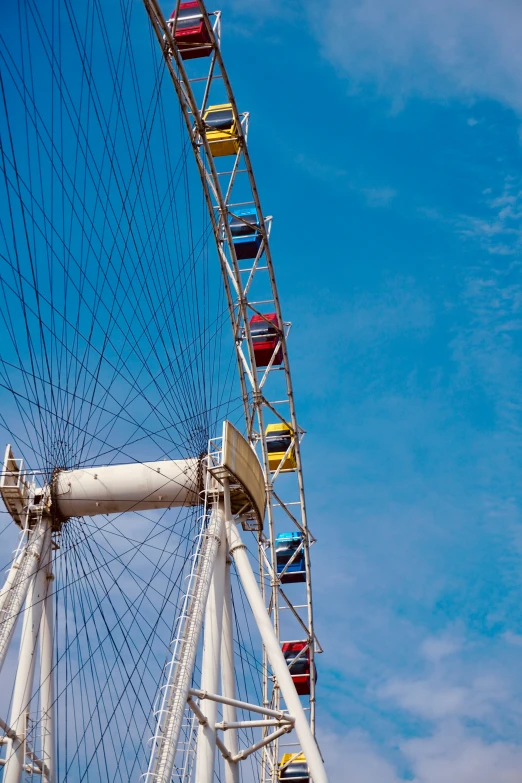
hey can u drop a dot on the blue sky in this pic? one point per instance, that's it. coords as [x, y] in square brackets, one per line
[387, 141]
[387, 138]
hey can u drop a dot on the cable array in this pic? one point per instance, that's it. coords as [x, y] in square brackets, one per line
[116, 347]
[116, 328]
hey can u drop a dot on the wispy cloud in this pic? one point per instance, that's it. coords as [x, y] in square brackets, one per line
[379, 197]
[436, 699]
[501, 232]
[375, 197]
[413, 403]
[353, 757]
[495, 226]
[462, 709]
[513, 638]
[319, 169]
[436, 648]
[455, 754]
[464, 49]
[451, 48]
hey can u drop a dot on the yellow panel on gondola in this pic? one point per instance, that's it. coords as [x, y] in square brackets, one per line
[221, 130]
[295, 771]
[278, 439]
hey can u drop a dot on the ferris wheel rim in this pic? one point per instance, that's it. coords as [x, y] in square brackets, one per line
[253, 401]
[193, 115]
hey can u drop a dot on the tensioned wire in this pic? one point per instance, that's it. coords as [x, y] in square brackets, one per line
[83, 577]
[120, 359]
[132, 699]
[117, 341]
[102, 662]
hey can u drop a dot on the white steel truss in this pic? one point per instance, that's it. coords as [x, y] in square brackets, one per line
[233, 495]
[184, 712]
[209, 594]
[37, 636]
[250, 289]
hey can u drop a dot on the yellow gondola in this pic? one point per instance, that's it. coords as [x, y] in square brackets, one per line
[278, 439]
[294, 768]
[221, 130]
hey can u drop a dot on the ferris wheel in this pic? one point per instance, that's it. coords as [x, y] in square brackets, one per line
[156, 620]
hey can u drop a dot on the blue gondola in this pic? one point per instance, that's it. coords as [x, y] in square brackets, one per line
[285, 546]
[245, 235]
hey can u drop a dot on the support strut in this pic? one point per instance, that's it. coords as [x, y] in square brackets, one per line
[181, 666]
[16, 588]
[15, 760]
[210, 664]
[275, 656]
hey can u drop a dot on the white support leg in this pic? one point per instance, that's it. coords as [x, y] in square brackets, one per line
[181, 667]
[19, 579]
[275, 656]
[15, 760]
[228, 683]
[211, 664]
[47, 671]
[15, 565]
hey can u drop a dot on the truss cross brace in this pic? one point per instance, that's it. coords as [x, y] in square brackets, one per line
[177, 692]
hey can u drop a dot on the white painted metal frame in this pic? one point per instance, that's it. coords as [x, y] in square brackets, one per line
[219, 188]
[31, 572]
[37, 631]
[209, 592]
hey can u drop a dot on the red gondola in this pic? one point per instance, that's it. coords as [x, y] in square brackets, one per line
[191, 34]
[265, 336]
[299, 666]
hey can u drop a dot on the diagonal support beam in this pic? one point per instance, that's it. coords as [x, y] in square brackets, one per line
[210, 664]
[243, 754]
[277, 661]
[241, 705]
[16, 588]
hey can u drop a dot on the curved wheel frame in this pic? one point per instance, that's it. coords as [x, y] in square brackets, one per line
[249, 291]
[219, 188]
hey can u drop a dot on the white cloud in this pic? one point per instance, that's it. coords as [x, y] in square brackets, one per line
[379, 197]
[464, 718]
[433, 48]
[443, 49]
[435, 648]
[453, 755]
[498, 229]
[513, 638]
[319, 170]
[354, 758]
[436, 698]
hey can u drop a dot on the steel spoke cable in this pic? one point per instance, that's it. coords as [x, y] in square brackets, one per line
[160, 614]
[119, 414]
[173, 383]
[124, 201]
[105, 688]
[72, 424]
[161, 348]
[20, 291]
[31, 251]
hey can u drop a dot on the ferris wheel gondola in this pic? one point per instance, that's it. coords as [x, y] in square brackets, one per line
[231, 481]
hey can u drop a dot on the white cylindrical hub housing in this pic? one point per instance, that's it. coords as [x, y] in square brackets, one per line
[139, 486]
